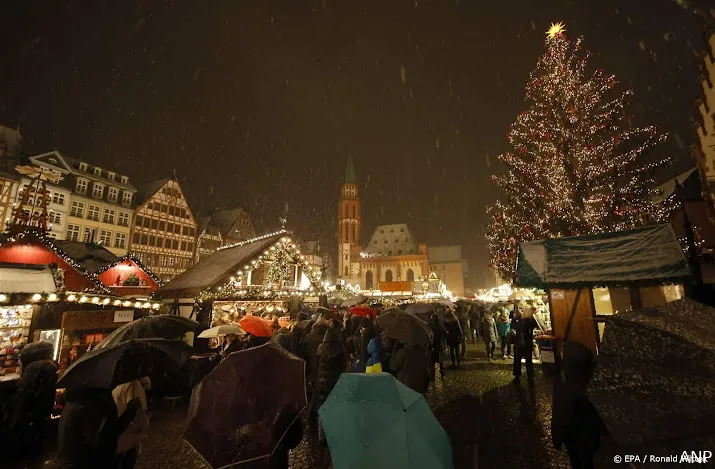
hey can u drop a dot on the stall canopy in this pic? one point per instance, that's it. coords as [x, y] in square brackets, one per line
[217, 268]
[24, 278]
[644, 255]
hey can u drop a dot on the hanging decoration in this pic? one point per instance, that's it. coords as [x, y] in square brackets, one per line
[279, 270]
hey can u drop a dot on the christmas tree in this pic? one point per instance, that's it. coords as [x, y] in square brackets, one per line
[575, 166]
[279, 269]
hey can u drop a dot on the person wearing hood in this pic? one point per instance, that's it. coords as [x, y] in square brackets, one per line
[454, 338]
[129, 443]
[90, 427]
[437, 347]
[331, 363]
[575, 422]
[411, 364]
[34, 399]
[490, 335]
[312, 342]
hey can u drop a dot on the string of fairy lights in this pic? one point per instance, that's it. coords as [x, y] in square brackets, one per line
[574, 168]
[278, 254]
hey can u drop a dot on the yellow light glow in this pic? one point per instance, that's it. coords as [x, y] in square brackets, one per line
[117, 302]
[3, 297]
[105, 301]
[83, 299]
[155, 306]
[127, 303]
[95, 300]
[137, 305]
[52, 297]
[556, 29]
[71, 298]
[36, 297]
[146, 305]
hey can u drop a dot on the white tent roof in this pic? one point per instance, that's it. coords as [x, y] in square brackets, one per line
[20, 278]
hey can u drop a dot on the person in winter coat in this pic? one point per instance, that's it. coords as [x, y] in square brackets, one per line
[129, 442]
[575, 423]
[524, 325]
[254, 341]
[490, 335]
[475, 322]
[33, 401]
[411, 364]
[367, 333]
[374, 349]
[90, 427]
[331, 363]
[504, 327]
[312, 342]
[283, 338]
[233, 344]
[463, 318]
[454, 338]
[437, 347]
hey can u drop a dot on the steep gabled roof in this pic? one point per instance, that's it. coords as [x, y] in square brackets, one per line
[226, 220]
[91, 256]
[146, 191]
[219, 266]
[392, 240]
[54, 159]
[135, 260]
[667, 189]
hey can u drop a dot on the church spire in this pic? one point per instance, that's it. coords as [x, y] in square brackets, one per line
[350, 177]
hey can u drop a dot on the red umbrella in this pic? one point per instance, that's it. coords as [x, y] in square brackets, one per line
[363, 311]
[256, 326]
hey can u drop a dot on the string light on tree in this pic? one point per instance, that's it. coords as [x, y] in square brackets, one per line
[575, 166]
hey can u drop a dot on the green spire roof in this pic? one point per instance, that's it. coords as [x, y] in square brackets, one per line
[350, 172]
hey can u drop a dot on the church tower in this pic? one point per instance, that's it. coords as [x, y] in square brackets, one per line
[348, 223]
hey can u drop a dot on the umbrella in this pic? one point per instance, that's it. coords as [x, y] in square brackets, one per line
[375, 421]
[109, 367]
[163, 326]
[242, 409]
[363, 311]
[405, 327]
[221, 330]
[359, 299]
[256, 326]
[420, 308]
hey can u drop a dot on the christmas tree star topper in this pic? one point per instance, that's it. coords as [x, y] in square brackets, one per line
[556, 29]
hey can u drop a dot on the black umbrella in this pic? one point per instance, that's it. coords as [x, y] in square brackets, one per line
[163, 326]
[243, 408]
[405, 327]
[109, 367]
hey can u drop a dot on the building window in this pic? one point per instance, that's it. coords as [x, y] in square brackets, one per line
[146, 222]
[368, 280]
[120, 240]
[152, 240]
[73, 232]
[83, 166]
[126, 197]
[109, 216]
[388, 275]
[177, 229]
[81, 187]
[346, 232]
[346, 271]
[190, 247]
[93, 213]
[183, 245]
[162, 226]
[136, 239]
[171, 211]
[125, 180]
[164, 209]
[77, 209]
[354, 232]
[105, 237]
[97, 171]
[97, 190]
[123, 219]
[144, 240]
[410, 275]
[54, 217]
[112, 194]
[154, 224]
[175, 244]
[89, 235]
[58, 198]
[170, 227]
[192, 232]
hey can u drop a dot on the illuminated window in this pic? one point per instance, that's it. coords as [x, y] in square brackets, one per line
[123, 219]
[93, 213]
[410, 275]
[77, 209]
[368, 280]
[112, 194]
[105, 237]
[97, 190]
[73, 232]
[109, 216]
[388, 275]
[81, 187]
[58, 198]
[120, 240]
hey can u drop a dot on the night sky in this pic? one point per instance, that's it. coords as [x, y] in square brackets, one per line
[259, 102]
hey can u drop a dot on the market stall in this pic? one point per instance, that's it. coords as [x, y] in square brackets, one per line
[647, 264]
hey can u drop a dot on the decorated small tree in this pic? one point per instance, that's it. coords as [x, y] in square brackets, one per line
[576, 163]
[132, 281]
[279, 270]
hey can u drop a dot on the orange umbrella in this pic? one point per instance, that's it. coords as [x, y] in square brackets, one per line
[256, 326]
[363, 311]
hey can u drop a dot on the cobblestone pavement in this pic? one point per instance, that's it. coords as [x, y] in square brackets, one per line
[492, 423]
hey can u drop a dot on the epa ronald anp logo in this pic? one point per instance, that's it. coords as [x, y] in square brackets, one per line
[687, 457]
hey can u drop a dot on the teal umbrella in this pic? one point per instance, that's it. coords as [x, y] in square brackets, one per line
[374, 421]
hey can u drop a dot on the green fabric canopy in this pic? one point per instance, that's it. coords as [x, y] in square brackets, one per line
[643, 255]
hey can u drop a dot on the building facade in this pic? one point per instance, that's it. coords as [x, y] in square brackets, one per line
[704, 151]
[100, 207]
[391, 261]
[447, 263]
[8, 193]
[164, 232]
[220, 228]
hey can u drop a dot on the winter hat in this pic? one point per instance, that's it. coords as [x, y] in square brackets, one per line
[36, 351]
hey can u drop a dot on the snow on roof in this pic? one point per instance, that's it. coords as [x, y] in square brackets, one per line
[92, 257]
[667, 189]
[642, 255]
[23, 278]
[391, 240]
[218, 266]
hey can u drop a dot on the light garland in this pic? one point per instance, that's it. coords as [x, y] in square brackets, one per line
[135, 259]
[574, 169]
[234, 289]
[73, 297]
